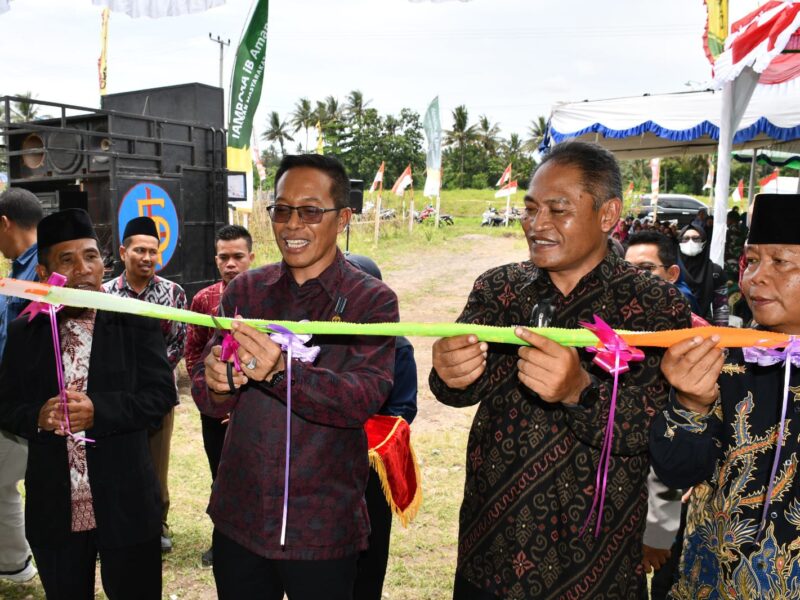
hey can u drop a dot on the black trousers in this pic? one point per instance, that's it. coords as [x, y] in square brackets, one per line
[128, 573]
[241, 574]
[464, 590]
[371, 568]
[213, 438]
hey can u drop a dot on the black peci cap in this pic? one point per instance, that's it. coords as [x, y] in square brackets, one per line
[775, 219]
[141, 226]
[63, 226]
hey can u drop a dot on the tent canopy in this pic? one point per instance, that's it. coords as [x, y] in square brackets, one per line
[677, 124]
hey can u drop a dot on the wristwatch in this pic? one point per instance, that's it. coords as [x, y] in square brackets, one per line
[276, 379]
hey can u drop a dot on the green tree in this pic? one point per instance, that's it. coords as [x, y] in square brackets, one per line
[488, 135]
[461, 136]
[303, 117]
[26, 109]
[536, 132]
[356, 105]
[277, 131]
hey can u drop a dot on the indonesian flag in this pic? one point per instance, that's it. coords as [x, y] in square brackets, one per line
[505, 177]
[158, 8]
[757, 39]
[378, 178]
[507, 190]
[738, 192]
[402, 182]
[772, 177]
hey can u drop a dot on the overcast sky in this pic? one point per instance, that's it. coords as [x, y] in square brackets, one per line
[508, 59]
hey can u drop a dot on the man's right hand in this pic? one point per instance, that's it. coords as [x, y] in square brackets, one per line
[692, 367]
[460, 360]
[217, 375]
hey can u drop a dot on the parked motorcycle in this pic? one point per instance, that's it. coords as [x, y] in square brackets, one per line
[491, 218]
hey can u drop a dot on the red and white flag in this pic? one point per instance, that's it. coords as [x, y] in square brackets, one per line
[738, 192]
[507, 190]
[402, 182]
[505, 177]
[378, 178]
[763, 182]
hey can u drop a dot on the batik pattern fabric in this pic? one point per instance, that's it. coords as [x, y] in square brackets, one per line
[206, 301]
[76, 348]
[531, 465]
[158, 291]
[723, 556]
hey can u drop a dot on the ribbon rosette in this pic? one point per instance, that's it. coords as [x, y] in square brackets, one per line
[764, 357]
[33, 309]
[612, 355]
[294, 346]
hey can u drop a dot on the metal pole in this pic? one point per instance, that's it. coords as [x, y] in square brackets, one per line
[222, 43]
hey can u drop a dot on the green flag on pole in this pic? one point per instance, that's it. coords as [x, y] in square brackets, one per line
[245, 93]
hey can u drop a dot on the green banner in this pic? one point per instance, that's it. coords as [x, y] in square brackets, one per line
[245, 92]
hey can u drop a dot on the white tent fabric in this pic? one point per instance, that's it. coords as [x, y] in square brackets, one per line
[677, 124]
[158, 8]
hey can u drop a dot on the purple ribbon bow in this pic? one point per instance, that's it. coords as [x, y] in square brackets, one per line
[612, 355]
[764, 357]
[294, 346]
[33, 309]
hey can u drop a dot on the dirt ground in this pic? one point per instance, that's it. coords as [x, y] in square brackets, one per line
[437, 290]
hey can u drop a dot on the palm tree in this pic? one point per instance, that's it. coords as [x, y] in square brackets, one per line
[277, 131]
[488, 134]
[461, 135]
[25, 110]
[333, 109]
[356, 105]
[536, 133]
[303, 116]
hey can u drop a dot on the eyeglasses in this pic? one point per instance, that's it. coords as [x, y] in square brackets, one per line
[281, 213]
[649, 267]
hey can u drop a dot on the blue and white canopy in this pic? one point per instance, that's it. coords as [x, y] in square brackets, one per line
[676, 124]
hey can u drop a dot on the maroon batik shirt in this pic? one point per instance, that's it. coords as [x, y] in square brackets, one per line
[205, 301]
[331, 400]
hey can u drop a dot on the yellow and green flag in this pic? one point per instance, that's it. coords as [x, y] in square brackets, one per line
[716, 28]
[245, 93]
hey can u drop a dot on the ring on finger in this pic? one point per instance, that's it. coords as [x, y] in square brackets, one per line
[252, 364]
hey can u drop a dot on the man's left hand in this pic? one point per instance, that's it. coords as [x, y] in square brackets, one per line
[549, 369]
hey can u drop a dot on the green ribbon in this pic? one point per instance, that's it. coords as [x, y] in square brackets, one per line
[101, 301]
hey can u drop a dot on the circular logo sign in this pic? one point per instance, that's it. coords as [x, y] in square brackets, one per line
[150, 200]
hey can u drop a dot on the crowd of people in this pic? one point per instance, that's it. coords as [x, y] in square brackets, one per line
[297, 507]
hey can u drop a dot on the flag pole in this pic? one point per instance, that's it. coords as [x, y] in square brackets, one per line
[411, 209]
[378, 213]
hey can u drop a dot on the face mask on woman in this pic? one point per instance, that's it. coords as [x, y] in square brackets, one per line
[692, 248]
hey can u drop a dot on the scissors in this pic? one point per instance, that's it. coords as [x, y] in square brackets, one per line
[224, 353]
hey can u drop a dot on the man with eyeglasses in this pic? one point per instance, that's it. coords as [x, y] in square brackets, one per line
[655, 253]
[332, 397]
[233, 247]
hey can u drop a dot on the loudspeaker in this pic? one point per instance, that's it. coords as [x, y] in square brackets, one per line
[357, 195]
[61, 152]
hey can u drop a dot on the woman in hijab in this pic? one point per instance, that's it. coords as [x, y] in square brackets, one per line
[705, 278]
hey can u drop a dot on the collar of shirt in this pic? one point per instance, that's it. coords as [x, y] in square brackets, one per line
[25, 261]
[122, 283]
[329, 280]
[541, 280]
